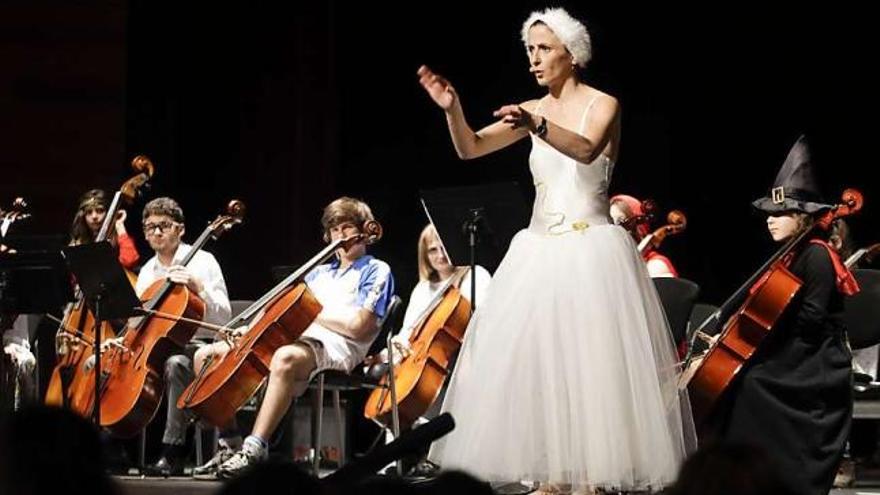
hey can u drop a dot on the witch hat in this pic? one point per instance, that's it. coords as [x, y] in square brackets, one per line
[795, 187]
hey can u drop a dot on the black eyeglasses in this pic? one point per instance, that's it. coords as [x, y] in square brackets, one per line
[149, 228]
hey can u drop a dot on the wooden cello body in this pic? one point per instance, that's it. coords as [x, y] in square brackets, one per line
[741, 337]
[76, 334]
[223, 385]
[132, 371]
[676, 224]
[73, 352]
[227, 383]
[419, 378]
[134, 381]
[765, 297]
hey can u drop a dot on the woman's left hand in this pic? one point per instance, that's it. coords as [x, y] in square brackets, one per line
[120, 222]
[516, 116]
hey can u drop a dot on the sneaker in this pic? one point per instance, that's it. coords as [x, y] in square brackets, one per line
[208, 470]
[240, 462]
[425, 469]
[845, 477]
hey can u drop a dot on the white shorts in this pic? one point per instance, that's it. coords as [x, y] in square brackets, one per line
[332, 350]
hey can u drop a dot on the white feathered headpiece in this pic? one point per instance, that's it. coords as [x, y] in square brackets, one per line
[571, 32]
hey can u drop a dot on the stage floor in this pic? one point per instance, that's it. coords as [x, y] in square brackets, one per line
[136, 485]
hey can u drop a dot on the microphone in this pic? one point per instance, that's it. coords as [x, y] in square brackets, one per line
[408, 442]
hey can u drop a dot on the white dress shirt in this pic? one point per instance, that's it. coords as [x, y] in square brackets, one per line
[203, 266]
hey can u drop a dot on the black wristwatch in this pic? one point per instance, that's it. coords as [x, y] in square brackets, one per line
[541, 129]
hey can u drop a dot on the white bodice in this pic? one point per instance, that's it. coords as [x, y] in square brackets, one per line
[569, 196]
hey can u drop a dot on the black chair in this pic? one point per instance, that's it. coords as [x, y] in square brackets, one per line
[336, 381]
[862, 310]
[699, 314]
[862, 317]
[677, 295]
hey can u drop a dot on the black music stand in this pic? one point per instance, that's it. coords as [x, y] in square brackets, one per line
[30, 282]
[33, 282]
[107, 293]
[466, 217]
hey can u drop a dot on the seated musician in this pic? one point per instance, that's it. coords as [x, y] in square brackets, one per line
[435, 270]
[794, 396]
[164, 228]
[354, 290]
[87, 223]
[624, 207]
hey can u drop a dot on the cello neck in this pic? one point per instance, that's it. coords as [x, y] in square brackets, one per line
[288, 281]
[166, 286]
[454, 280]
[788, 247]
[109, 217]
[851, 203]
[645, 242]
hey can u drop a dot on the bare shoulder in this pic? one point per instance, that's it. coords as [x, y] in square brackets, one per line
[603, 101]
[530, 105]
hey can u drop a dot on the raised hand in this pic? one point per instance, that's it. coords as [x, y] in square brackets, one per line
[516, 116]
[120, 222]
[438, 88]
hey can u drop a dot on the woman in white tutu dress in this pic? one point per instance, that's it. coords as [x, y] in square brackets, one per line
[567, 376]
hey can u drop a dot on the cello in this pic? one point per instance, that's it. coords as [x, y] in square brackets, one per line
[12, 215]
[676, 224]
[632, 223]
[76, 331]
[132, 379]
[418, 379]
[764, 296]
[223, 385]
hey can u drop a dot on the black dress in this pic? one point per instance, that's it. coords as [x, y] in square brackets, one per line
[795, 398]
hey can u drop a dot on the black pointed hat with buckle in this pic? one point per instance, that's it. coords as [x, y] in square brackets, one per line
[795, 187]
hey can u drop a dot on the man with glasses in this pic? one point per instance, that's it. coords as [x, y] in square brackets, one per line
[164, 227]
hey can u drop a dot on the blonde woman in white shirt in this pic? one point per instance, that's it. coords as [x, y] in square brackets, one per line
[434, 270]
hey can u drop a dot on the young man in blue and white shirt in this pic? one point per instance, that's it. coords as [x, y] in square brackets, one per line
[354, 290]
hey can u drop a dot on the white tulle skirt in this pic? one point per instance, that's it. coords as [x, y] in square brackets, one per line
[568, 374]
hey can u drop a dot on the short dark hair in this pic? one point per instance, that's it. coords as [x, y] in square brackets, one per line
[164, 206]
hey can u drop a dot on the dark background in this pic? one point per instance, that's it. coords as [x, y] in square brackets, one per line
[287, 106]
